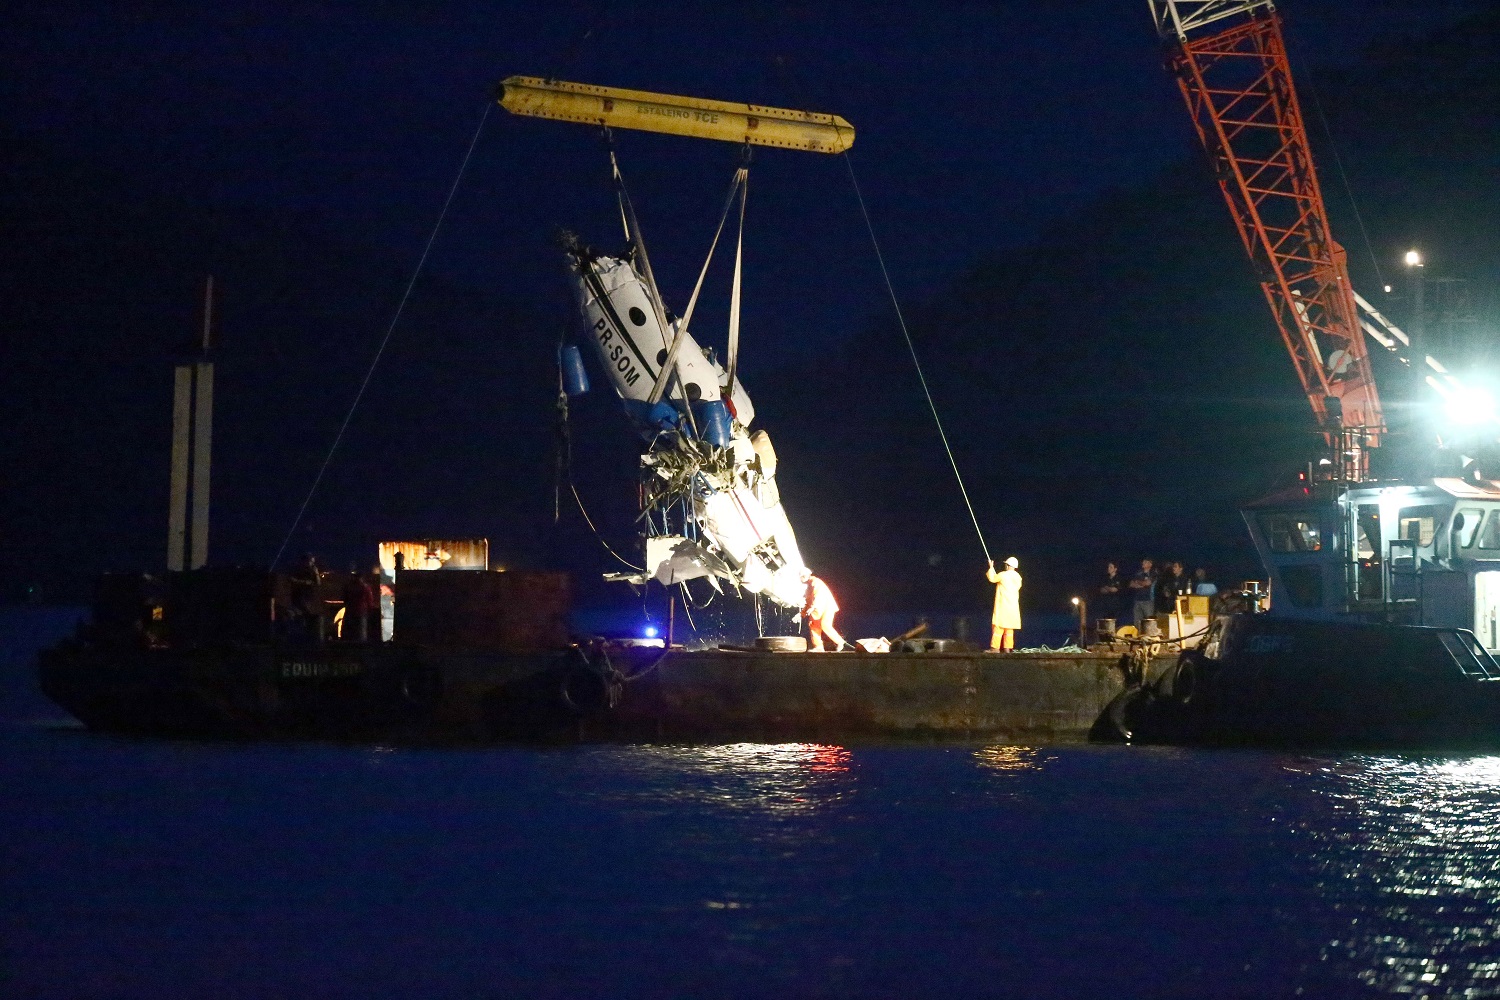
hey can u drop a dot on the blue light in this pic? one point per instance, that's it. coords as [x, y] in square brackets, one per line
[650, 632]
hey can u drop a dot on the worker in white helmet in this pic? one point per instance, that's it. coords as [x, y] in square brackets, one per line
[1007, 617]
[819, 607]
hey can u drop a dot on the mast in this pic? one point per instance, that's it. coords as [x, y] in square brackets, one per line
[192, 450]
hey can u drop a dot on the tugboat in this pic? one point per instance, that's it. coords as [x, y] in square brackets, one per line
[1384, 612]
[1382, 627]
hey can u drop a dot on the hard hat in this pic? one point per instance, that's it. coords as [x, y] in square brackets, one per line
[1012, 562]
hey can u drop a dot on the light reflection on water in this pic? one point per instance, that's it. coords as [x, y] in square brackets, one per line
[743, 871]
[776, 779]
[1409, 861]
[1002, 758]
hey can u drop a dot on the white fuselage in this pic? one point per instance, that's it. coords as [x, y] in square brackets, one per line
[744, 535]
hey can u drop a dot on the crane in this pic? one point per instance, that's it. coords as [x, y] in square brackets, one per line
[1229, 59]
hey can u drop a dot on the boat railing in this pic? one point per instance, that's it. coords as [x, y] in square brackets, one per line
[1469, 654]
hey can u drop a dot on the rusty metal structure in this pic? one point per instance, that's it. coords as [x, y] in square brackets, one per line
[1230, 62]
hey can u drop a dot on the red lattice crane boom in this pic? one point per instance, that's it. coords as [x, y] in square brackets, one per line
[1230, 62]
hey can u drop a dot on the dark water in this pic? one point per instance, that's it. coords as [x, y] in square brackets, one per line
[153, 869]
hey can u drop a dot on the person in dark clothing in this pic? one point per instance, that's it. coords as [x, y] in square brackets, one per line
[307, 597]
[1143, 590]
[1201, 585]
[1166, 588]
[1114, 595]
[1184, 579]
[359, 600]
[379, 589]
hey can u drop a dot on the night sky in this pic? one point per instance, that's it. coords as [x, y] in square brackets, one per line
[1070, 271]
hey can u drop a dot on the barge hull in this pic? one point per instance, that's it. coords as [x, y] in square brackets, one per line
[391, 693]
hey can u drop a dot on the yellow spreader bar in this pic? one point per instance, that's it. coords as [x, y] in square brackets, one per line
[689, 116]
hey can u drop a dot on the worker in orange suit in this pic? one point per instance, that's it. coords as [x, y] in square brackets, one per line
[819, 607]
[1007, 617]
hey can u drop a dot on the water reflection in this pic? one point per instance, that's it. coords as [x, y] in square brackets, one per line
[999, 758]
[1409, 861]
[781, 779]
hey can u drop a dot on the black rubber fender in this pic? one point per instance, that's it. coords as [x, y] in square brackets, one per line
[1113, 724]
[1187, 679]
[420, 684]
[587, 688]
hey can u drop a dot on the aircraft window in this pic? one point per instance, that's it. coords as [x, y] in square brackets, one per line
[637, 316]
[1288, 533]
[1419, 524]
[1465, 529]
[1489, 538]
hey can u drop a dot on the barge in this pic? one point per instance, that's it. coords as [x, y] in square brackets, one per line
[479, 657]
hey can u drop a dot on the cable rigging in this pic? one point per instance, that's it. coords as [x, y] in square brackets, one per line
[921, 377]
[370, 372]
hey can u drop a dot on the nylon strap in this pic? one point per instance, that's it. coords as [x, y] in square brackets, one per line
[734, 294]
[670, 368]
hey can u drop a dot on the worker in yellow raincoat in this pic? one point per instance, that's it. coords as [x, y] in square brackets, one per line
[819, 607]
[1007, 617]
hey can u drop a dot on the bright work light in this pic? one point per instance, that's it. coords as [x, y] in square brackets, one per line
[1471, 406]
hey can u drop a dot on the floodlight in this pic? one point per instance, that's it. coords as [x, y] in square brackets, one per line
[1470, 406]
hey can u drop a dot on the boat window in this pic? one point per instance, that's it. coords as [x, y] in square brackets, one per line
[1369, 531]
[1419, 524]
[1466, 525]
[1303, 585]
[1489, 538]
[1291, 533]
[1367, 553]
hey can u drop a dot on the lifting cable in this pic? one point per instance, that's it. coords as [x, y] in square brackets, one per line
[589, 521]
[736, 186]
[338, 438]
[1338, 160]
[565, 459]
[891, 290]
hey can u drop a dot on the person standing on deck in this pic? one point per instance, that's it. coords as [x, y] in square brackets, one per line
[307, 597]
[358, 600]
[1143, 587]
[819, 607]
[1167, 584]
[378, 589]
[1114, 595]
[1007, 617]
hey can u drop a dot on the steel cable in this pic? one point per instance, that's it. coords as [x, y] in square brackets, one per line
[360, 395]
[891, 290]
